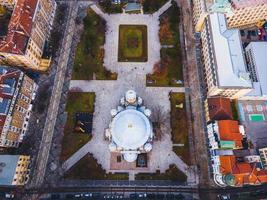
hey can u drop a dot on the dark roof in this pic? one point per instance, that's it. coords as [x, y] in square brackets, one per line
[220, 108]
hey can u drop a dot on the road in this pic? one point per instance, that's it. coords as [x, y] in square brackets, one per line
[196, 91]
[43, 154]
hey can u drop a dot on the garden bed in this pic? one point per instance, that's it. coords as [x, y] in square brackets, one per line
[173, 174]
[132, 43]
[179, 125]
[72, 139]
[151, 6]
[88, 168]
[88, 62]
[169, 71]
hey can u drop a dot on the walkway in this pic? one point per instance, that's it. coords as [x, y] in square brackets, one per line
[43, 153]
[131, 75]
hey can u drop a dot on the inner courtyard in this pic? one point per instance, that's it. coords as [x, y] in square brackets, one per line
[132, 56]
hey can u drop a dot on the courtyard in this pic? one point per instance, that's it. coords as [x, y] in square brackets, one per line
[132, 43]
[131, 75]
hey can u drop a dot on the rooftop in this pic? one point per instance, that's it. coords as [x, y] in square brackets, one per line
[227, 47]
[229, 131]
[19, 28]
[258, 50]
[244, 173]
[132, 7]
[130, 129]
[219, 108]
[8, 164]
[246, 3]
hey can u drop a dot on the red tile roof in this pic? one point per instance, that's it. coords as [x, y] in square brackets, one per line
[220, 108]
[244, 173]
[19, 28]
[229, 131]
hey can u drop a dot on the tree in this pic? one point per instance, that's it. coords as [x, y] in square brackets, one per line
[159, 117]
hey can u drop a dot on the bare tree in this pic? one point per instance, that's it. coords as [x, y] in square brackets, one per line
[159, 117]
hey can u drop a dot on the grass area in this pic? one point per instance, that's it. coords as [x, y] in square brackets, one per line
[151, 6]
[169, 26]
[89, 54]
[108, 7]
[88, 168]
[234, 110]
[169, 71]
[72, 141]
[132, 43]
[173, 174]
[179, 126]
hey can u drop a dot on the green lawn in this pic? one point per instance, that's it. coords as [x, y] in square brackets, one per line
[88, 168]
[89, 54]
[234, 110]
[72, 141]
[173, 174]
[108, 7]
[4, 20]
[132, 43]
[169, 32]
[151, 6]
[169, 71]
[179, 126]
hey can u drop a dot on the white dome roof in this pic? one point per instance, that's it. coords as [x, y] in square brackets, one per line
[130, 157]
[130, 129]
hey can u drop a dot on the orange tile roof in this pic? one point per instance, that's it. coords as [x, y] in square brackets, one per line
[19, 28]
[229, 130]
[220, 108]
[244, 173]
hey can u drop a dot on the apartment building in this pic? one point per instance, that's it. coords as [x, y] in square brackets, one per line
[16, 94]
[28, 31]
[218, 108]
[14, 170]
[245, 13]
[225, 70]
[9, 4]
[257, 67]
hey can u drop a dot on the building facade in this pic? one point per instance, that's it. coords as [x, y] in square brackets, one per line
[14, 170]
[17, 91]
[245, 13]
[225, 70]
[257, 67]
[28, 31]
[9, 4]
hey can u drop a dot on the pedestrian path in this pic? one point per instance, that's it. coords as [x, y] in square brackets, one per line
[130, 76]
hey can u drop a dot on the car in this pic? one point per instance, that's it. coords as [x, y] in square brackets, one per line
[224, 196]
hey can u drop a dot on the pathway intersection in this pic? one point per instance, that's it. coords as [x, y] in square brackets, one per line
[131, 75]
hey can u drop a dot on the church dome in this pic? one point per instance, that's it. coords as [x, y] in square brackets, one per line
[130, 129]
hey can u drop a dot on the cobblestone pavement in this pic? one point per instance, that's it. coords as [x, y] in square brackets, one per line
[130, 76]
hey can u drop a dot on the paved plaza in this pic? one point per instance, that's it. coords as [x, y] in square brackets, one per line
[130, 76]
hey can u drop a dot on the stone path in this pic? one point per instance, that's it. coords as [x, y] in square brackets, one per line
[130, 76]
